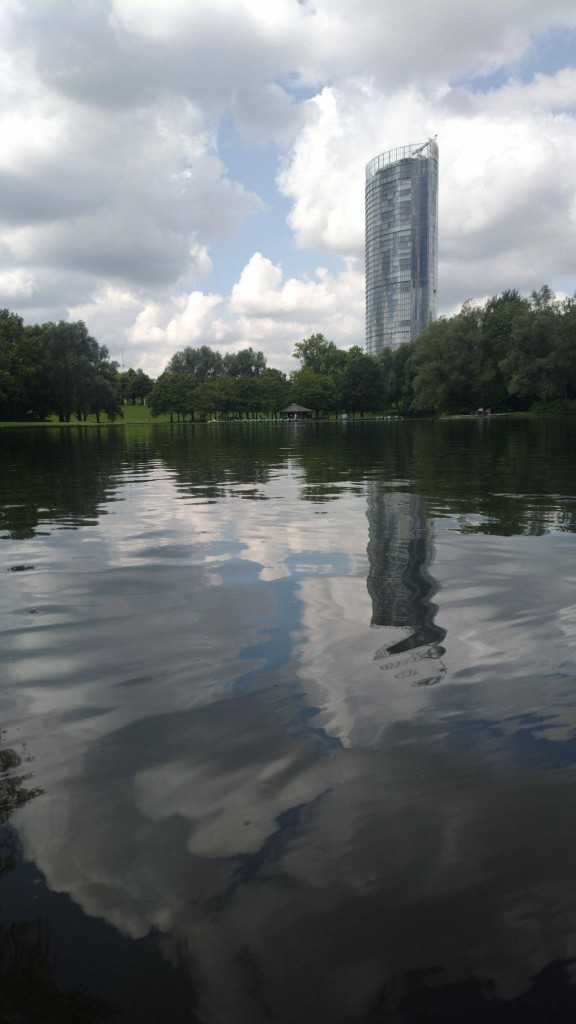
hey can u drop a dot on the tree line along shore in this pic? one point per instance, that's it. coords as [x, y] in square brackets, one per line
[509, 354]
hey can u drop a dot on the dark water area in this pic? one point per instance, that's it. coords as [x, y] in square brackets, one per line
[288, 723]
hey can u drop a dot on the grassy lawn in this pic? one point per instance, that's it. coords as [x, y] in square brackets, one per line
[133, 415]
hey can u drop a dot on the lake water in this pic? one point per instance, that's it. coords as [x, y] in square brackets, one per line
[288, 723]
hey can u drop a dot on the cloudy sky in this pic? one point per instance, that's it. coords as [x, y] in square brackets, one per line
[192, 171]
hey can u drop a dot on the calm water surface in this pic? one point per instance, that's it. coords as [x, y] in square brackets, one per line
[288, 723]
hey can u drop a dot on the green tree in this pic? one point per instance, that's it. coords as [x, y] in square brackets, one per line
[174, 393]
[361, 388]
[72, 365]
[275, 391]
[11, 332]
[135, 386]
[316, 391]
[397, 378]
[245, 363]
[564, 354]
[24, 386]
[104, 397]
[446, 363]
[319, 355]
[496, 320]
[200, 363]
[530, 366]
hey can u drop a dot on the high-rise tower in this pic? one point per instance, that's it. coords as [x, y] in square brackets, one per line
[401, 244]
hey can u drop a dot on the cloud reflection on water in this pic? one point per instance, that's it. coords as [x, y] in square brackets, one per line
[232, 766]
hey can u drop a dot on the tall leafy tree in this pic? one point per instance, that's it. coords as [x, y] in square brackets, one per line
[361, 387]
[135, 386]
[313, 390]
[397, 376]
[76, 362]
[199, 363]
[174, 393]
[275, 391]
[446, 364]
[319, 355]
[245, 363]
[24, 389]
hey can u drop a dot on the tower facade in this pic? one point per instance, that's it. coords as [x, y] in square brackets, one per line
[401, 244]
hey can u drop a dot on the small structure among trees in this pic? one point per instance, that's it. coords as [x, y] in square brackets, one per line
[296, 412]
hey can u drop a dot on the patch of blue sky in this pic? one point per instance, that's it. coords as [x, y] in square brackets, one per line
[564, 284]
[550, 52]
[266, 231]
[299, 89]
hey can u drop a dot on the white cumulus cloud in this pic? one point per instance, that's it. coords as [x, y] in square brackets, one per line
[139, 139]
[507, 188]
[262, 310]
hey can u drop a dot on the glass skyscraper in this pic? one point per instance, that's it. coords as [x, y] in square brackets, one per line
[401, 244]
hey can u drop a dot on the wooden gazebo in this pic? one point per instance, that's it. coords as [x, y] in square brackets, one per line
[297, 412]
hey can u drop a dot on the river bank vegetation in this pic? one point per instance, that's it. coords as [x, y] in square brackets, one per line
[509, 354]
[60, 370]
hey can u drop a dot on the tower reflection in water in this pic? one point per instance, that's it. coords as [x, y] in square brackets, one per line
[400, 552]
